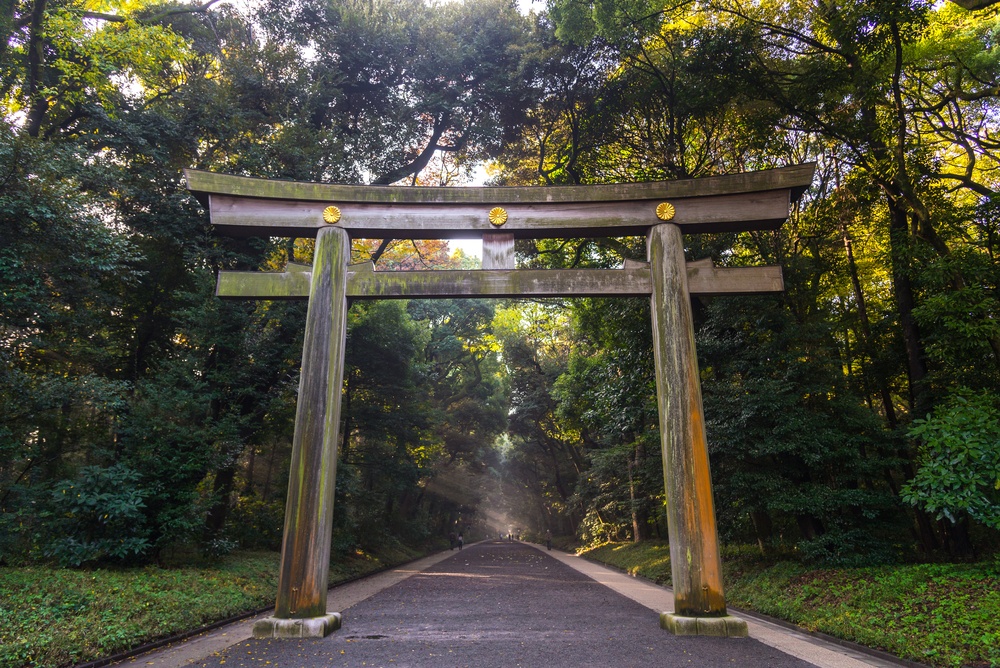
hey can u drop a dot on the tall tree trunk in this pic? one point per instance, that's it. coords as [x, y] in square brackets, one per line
[809, 526]
[551, 450]
[346, 410]
[266, 492]
[763, 527]
[633, 504]
[38, 103]
[905, 303]
[222, 488]
[640, 516]
[958, 539]
[248, 488]
[868, 343]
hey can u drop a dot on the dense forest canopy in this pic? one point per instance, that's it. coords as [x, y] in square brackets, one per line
[854, 417]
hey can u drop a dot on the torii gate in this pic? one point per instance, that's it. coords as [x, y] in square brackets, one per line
[663, 211]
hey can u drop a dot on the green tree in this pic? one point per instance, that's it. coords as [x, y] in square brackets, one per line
[959, 474]
[119, 352]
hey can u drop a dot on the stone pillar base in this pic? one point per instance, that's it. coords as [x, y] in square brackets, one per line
[312, 627]
[720, 627]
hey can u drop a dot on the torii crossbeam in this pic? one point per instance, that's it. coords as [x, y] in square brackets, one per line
[662, 211]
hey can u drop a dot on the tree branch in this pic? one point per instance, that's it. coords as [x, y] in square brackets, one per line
[966, 181]
[155, 18]
[421, 160]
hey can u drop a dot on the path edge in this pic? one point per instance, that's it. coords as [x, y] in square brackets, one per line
[791, 626]
[184, 635]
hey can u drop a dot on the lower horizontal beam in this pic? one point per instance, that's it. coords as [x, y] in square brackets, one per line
[500, 283]
[263, 284]
[705, 279]
[364, 283]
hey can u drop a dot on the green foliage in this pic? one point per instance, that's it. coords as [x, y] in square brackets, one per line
[937, 614]
[958, 316]
[811, 442]
[787, 440]
[959, 470]
[97, 516]
[58, 617]
[115, 349]
[123, 607]
[580, 22]
[256, 524]
[422, 398]
[649, 559]
[164, 437]
[388, 84]
[941, 615]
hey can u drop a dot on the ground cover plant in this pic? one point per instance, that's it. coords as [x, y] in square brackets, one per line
[936, 614]
[57, 617]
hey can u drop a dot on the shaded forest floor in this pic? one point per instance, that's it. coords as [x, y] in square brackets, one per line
[937, 614]
[56, 617]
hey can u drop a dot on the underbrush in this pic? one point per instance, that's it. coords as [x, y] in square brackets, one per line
[938, 614]
[55, 617]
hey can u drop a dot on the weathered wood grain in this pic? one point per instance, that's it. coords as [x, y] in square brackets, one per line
[365, 283]
[695, 563]
[305, 549]
[796, 178]
[710, 280]
[500, 283]
[263, 285]
[239, 215]
[498, 250]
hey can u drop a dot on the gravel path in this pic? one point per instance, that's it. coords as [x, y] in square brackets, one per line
[501, 604]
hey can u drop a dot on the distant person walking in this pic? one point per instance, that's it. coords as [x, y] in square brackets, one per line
[548, 538]
[451, 540]
[461, 541]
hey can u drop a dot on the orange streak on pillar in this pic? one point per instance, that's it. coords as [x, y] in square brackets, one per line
[305, 549]
[694, 543]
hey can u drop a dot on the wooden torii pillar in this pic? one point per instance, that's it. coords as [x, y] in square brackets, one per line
[662, 211]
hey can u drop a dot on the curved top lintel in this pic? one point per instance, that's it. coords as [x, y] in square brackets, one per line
[795, 178]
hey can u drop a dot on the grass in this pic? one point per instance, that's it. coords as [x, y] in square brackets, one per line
[937, 614]
[57, 617]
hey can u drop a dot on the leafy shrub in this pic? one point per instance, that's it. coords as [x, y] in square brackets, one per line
[847, 548]
[959, 460]
[595, 531]
[19, 525]
[98, 516]
[256, 524]
[220, 547]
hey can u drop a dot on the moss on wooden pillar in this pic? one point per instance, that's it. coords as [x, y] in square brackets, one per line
[694, 544]
[305, 551]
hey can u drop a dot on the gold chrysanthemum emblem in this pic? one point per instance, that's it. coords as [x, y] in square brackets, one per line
[498, 216]
[665, 210]
[331, 214]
